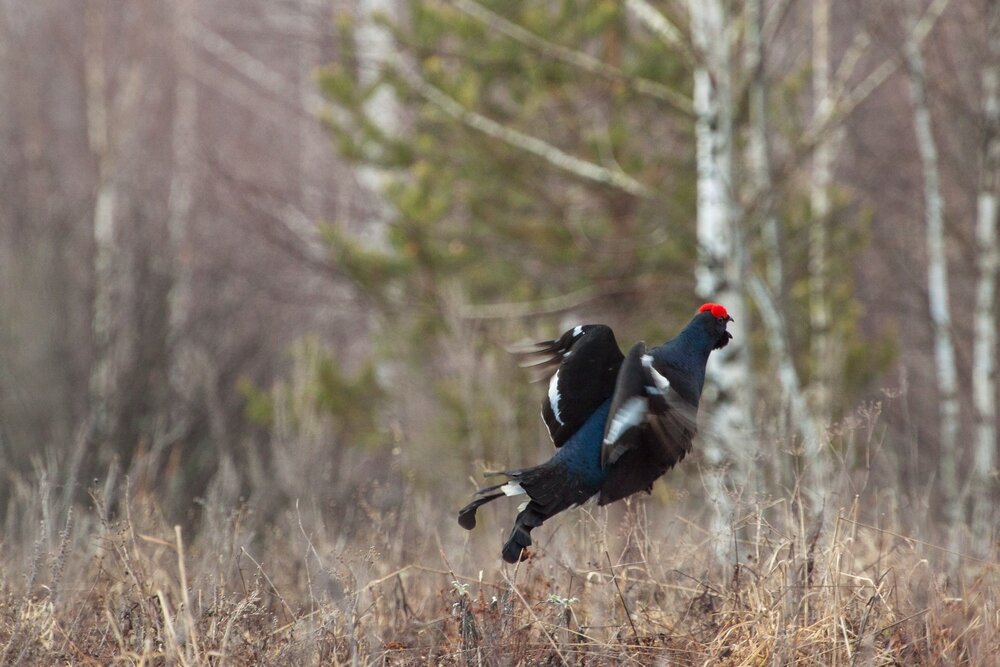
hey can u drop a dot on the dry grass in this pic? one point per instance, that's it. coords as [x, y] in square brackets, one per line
[625, 586]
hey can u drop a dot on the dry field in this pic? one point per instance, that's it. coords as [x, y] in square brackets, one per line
[631, 585]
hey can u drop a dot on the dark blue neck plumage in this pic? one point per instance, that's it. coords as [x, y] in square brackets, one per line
[686, 354]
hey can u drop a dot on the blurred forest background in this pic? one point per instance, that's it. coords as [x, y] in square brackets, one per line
[268, 255]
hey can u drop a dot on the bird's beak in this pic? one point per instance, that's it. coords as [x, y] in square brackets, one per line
[729, 319]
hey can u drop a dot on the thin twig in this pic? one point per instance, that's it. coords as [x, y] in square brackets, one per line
[534, 616]
[192, 629]
[546, 306]
[921, 542]
[288, 610]
[621, 596]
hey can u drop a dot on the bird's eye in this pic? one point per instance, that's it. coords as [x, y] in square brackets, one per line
[721, 320]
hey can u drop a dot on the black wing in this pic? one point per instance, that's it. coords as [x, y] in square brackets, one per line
[588, 359]
[649, 428]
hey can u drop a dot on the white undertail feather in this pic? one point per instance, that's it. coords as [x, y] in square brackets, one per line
[628, 415]
[554, 396]
[512, 489]
[588, 502]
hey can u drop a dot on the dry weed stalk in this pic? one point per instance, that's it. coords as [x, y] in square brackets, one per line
[629, 585]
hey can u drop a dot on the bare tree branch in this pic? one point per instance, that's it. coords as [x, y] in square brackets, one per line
[574, 57]
[660, 25]
[845, 102]
[546, 306]
[773, 20]
[787, 373]
[551, 154]
[253, 69]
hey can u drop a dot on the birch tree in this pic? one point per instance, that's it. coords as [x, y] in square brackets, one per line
[758, 157]
[375, 48]
[767, 295]
[101, 382]
[937, 274]
[821, 178]
[128, 299]
[984, 481]
[721, 258]
[180, 203]
[310, 138]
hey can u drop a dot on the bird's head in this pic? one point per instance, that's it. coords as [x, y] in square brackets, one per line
[713, 318]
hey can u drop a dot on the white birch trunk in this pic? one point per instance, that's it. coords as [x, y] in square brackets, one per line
[984, 481]
[101, 377]
[375, 49]
[180, 203]
[311, 135]
[819, 204]
[720, 263]
[105, 113]
[758, 156]
[767, 298]
[937, 285]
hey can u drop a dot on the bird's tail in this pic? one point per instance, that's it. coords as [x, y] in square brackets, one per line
[467, 515]
[546, 487]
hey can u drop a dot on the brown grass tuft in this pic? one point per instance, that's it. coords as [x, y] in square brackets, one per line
[632, 585]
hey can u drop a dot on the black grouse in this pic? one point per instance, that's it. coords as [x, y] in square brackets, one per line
[619, 421]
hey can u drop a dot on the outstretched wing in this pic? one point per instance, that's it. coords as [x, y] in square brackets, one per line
[588, 359]
[649, 427]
